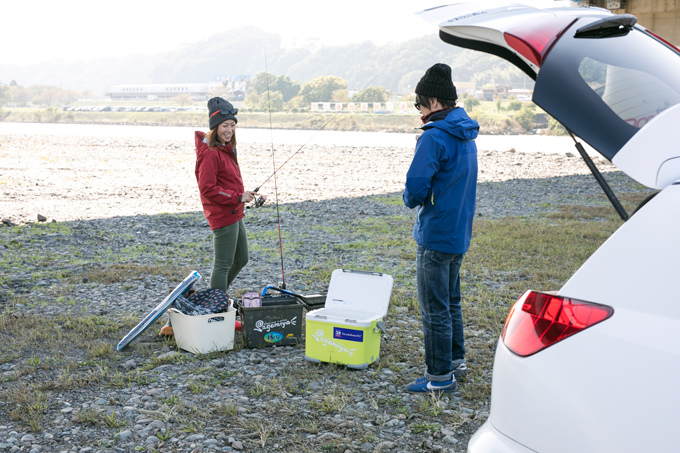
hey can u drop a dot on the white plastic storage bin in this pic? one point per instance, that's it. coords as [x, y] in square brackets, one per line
[203, 334]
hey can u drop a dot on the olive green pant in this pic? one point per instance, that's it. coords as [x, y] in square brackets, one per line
[231, 254]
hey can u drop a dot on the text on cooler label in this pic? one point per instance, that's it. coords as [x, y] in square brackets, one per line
[319, 337]
[261, 326]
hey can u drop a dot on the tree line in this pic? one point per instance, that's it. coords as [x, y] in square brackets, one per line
[40, 95]
[264, 91]
[268, 91]
[396, 67]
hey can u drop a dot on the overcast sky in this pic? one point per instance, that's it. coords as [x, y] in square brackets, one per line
[39, 30]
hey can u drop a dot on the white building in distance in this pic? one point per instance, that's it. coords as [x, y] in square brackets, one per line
[164, 91]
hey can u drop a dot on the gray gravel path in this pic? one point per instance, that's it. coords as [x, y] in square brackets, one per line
[82, 178]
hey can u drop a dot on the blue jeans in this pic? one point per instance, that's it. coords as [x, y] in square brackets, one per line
[438, 281]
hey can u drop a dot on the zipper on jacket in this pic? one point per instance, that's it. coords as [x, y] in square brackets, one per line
[232, 156]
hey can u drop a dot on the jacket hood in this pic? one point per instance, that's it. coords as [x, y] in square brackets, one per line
[456, 123]
[198, 139]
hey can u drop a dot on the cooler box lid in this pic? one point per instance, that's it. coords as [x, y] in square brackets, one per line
[359, 291]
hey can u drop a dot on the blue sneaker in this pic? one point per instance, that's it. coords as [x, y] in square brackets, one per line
[423, 385]
[459, 369]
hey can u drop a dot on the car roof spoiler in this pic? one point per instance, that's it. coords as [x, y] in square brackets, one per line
[608, 27]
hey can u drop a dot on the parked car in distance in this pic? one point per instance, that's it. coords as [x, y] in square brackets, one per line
[593, 366]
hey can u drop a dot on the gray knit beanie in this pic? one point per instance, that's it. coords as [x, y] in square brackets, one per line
[219, 111]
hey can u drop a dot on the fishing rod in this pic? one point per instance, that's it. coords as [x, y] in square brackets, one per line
[276, 170]
[260, 201]
[276, 190]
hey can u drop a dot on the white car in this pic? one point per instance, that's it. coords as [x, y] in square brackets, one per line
[595, 366]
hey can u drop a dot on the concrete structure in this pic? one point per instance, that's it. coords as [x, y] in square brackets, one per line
[659, 16]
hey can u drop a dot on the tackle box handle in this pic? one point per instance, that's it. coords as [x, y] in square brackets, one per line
[378, 274]
[302, 300]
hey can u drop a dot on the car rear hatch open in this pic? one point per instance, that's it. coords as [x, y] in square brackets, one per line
[618, 89]
[608, 80]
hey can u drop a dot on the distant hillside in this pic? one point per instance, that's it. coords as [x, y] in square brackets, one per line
[243, 52]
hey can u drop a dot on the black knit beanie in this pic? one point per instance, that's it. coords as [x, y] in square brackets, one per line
[220, 111]
[437, 83]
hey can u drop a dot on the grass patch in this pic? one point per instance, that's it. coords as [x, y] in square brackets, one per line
[508, 256]
[496, 116]
[629, 201]
[260, 430]
[27, 405]
[227, 409]
[422, 427]
[124, 272]
[330, 403]
[66, 352]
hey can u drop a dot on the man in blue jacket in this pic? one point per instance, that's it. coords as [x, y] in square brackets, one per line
[441, 184]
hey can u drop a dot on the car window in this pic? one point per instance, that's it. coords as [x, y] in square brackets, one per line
[606, 89]
[634, 96]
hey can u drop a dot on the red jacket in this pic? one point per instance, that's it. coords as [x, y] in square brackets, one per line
[219, 182]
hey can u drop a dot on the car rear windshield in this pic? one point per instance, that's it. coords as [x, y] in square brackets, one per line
[605, 89]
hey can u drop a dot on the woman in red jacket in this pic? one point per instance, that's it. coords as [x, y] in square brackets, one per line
[222, 193]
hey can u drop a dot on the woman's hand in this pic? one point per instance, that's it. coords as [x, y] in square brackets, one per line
[248, 196]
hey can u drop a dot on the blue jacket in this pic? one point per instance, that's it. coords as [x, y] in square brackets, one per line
[442, 182]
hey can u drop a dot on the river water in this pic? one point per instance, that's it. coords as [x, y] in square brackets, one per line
[521, 143]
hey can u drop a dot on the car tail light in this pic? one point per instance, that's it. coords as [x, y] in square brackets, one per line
[539, 320]
[534, 39]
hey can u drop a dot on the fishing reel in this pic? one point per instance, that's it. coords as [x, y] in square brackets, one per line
[259, 202]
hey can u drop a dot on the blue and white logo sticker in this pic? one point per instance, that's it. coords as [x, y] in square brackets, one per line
[273, 337]
[348, 334]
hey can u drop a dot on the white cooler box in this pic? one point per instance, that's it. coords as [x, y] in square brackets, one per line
[348, 330]
[205, 333]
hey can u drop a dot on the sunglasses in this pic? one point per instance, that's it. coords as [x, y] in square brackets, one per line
[225, 112]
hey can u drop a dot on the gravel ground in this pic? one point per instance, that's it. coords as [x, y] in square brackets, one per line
[116, 199]
[82, 178]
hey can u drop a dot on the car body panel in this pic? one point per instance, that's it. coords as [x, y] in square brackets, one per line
[661, 166]
[488, 439]
[487, 21]
[637, 266]
[584, 394]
